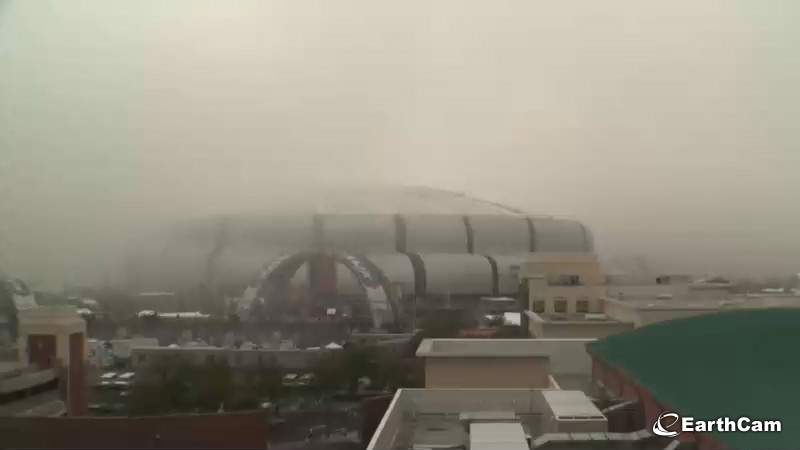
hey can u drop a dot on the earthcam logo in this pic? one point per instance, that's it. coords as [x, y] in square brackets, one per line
[670, 424]
[664, 422]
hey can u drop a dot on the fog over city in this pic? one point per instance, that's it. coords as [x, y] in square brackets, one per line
[669, 128]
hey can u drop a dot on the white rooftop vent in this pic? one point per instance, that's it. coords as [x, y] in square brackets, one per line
[664, 297]
[571, 411]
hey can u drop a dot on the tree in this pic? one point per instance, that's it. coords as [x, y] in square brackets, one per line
[510, 332]
[343, 368]
[178, 386]
[441, 326]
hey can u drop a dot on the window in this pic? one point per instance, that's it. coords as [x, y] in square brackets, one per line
[539, 306]
[238, 358]
[582, 305]
[560, 305]
[564, 280]
[209, 359]
[142, 358]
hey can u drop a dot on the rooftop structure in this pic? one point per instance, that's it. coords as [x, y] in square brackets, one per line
[731, 364]
[497, 419]
[507, 363]
[484, 363]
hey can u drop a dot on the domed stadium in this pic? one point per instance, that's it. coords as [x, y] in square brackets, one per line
[381, 243]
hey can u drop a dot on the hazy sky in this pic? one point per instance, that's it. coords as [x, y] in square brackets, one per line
[669, 127]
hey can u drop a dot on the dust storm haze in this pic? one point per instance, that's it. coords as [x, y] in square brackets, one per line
[668, 127]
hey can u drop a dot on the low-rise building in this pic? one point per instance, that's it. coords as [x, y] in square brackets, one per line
[507, 363]
[495, 419]
[484, 363]
[48, 377]
[563, 283]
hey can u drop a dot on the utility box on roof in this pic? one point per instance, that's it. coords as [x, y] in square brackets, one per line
[571, 412]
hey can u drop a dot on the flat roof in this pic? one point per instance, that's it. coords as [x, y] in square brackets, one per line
[448, 416]
[480, 348]
[730, 364]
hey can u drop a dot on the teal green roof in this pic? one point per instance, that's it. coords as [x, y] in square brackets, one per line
[730, 364]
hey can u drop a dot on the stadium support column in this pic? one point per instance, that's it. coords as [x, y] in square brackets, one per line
[322, 278]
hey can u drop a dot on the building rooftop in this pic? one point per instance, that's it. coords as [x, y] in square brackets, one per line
[493, 419]
[479, 348]
[731, 364]
[431, 418]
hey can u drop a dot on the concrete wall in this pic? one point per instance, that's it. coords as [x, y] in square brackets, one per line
[55, 321]
[233, 430]
[490, 373]
[392, 422]
[567, 356]
[587, 267]
[594, 294]
[438, 401]
[409, 402]
[589, 329]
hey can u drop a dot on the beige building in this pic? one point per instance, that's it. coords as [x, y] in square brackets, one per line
[563, 283]
[51, 349]
[483, 419]
[484, 363]
[44, 335]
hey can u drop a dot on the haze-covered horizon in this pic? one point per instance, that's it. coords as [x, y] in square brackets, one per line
[667, 128]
